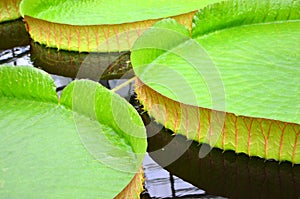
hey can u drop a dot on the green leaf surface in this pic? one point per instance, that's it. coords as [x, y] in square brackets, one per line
[242, 58]
[52, 149]
[97, 12]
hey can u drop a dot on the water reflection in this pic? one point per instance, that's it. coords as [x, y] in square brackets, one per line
[94, 66]
[162, 184]
[15, 56]
[13, 34]
[224, 173]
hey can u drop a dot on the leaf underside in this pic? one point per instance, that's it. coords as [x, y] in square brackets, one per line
[256, 64]
[233, 82]
[9, 10]
[100, 26]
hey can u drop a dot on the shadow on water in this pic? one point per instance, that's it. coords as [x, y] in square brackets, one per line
[91, 65]
[223, 173]
[13, 34]
[220, 173]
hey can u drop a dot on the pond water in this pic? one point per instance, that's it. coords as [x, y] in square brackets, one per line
[172, 166]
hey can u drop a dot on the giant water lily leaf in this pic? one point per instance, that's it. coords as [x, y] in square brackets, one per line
[89, 12]
[242, 60]
[100, 25]
[230, 175]
[9, 10]
[75, 147]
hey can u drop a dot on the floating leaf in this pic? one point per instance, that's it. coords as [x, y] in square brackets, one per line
[9, 10]
[234, 83]
[225, 174]
[100, 25]
[75, 147]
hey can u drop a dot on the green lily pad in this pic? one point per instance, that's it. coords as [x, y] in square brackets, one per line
[97, 25]
[255, 178]
[9, 10]
[240, 64]
[73, 147]
[98, 12]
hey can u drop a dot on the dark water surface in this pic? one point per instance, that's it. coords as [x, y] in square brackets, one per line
[218, 175]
